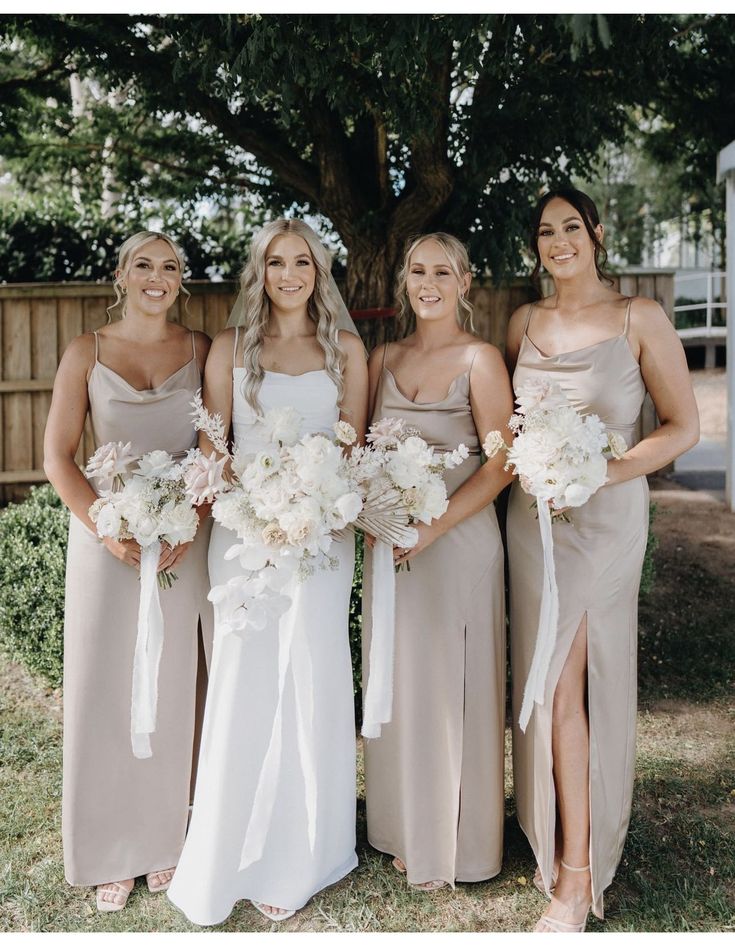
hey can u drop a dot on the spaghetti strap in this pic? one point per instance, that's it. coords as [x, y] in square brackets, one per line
[528, 317]
[96, 347]
[193, 345]
[234, 350]
[385, 354]
[627, 317]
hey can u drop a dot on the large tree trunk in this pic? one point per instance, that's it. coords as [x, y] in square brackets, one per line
[370, 275]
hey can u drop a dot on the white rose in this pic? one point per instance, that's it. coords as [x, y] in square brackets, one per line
[110, 460]
[282, 425]
[348, 507]
[178, 523]
[155, 464]
[108, 521]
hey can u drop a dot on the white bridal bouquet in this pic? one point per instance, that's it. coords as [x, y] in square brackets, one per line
[285, 503]
[402, 484]
[150, 499]
[560, 458]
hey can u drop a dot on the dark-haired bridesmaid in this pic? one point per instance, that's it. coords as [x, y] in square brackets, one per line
[574, 765]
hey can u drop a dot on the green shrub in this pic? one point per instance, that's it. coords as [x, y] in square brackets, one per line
[648, 575]
[33, 538]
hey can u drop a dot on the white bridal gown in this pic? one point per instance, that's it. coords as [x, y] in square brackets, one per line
[303, 757]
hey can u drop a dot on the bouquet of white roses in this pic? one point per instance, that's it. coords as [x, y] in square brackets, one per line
[285, 503]
[557, 454]
[560, 457]
[150, 503]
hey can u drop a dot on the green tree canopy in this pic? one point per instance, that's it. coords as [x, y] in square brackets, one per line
[384, 126]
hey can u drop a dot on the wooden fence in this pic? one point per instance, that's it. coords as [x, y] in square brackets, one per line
[38, 320]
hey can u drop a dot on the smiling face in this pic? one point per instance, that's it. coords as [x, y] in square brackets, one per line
[152, 279]
[432, 287]
[564, 245]
[290, 273]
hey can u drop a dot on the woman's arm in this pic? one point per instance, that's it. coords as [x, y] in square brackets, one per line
[666, 376]
[491, 399]
[354, 407]
[217, 386]
[64, 427]
[514, 336]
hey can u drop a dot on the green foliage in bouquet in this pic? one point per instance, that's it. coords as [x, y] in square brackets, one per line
[33, 539]
[356, 624]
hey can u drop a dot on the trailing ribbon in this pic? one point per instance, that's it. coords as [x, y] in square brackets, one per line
[378, 707]
[148, 649]
[534, 691]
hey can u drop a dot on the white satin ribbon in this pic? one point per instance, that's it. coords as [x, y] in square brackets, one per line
[534, 692]
[148, 649]
[293, 654]
[378, 706]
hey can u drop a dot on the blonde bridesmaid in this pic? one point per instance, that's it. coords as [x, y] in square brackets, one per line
[124, 817]
[434, 778]
[573, 767]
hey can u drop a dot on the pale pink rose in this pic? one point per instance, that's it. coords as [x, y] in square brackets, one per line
[203, 477]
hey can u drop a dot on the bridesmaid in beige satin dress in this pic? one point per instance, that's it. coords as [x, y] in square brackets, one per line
[434, 778]
[574, 766]
[122, 816]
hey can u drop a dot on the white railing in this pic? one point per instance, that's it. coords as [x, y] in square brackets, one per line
[709, 306]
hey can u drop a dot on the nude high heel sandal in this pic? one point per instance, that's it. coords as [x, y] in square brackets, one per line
[556, 925]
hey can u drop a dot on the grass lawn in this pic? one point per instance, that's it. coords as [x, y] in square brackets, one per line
[678, 867]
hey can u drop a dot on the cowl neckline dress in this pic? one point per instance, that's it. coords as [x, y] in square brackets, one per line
[598, 560]
[434, 777]
[123, 816]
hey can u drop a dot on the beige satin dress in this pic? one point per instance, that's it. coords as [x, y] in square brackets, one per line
[123, 816]
[434, 778]
[598, 559]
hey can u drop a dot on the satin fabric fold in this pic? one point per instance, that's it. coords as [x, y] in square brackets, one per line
[535, 688]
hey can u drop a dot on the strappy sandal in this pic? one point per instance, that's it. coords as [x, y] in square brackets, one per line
[274, 917]
[119, 897]
[431, 886]
[549, 924]
[160, 887]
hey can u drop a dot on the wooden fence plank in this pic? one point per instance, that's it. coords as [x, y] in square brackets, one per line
[17, 414]
[44, 360]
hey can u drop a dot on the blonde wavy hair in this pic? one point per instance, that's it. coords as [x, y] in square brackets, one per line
[459, 263]
[125, 258]
[321, 307]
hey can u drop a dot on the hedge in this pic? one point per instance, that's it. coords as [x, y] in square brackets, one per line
[33, 537]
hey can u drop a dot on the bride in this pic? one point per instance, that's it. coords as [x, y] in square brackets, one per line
[279, 724]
